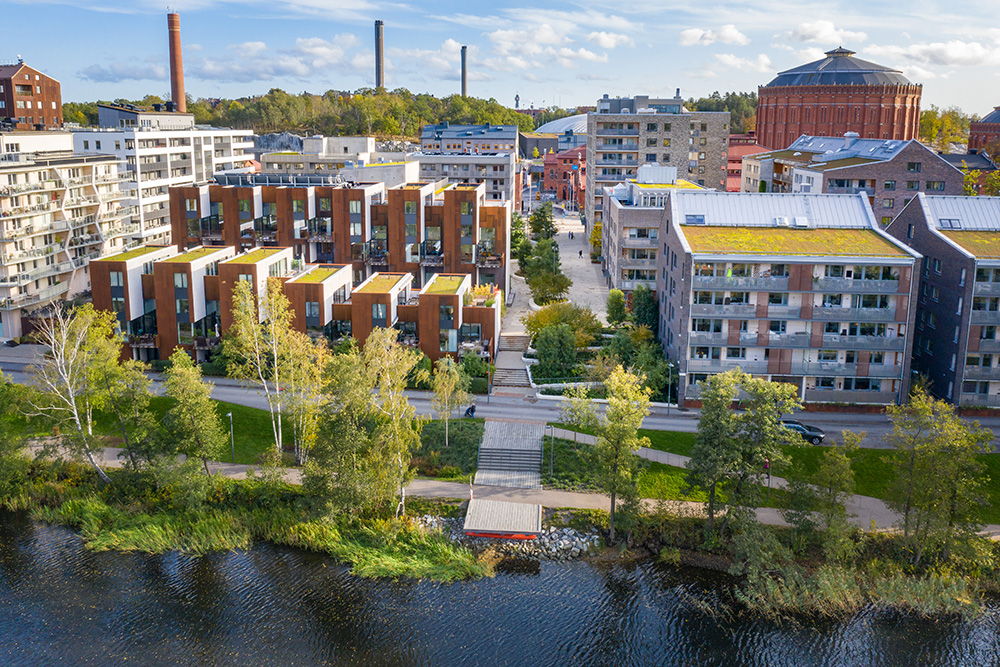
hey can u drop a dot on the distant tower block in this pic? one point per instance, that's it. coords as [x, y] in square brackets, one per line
[176, 63]
[517, 101]
[379, 57]
[465, 72]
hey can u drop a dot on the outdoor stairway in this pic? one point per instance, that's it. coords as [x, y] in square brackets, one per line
[510, 342]
[510, 377]
[511, 455]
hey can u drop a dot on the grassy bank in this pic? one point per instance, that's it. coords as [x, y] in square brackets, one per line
[458, 459]
[156, 513]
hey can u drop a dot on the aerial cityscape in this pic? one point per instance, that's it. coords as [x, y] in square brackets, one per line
[659, 337]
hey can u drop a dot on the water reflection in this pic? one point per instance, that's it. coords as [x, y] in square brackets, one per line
[275, 606]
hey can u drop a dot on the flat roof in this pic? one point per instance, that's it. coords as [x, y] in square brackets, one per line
[254, 256]
[445, 284]
[724, 240]
[381, 283]
[983, 244]
[195, 254]
[680, 184]
[131, 254]
[320, 273]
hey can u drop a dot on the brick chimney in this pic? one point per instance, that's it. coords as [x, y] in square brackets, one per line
[176, 63]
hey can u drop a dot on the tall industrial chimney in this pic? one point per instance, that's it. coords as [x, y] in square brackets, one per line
[465, 72]
[176, 63]
[379, 61]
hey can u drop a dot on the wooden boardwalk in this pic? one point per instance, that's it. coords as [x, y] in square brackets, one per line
[511, 454]
[498, 518]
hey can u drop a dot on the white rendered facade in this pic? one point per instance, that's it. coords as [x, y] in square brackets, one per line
[499, 171]
[58, 211]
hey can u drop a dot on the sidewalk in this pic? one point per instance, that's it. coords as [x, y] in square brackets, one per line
[589, 289]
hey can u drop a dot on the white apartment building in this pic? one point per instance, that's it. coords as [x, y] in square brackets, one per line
[58, 211]
[499, 171]
[159, 150]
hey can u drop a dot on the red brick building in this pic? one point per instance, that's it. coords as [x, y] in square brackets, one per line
[835, 95]
[740, 146]
[29, 98]
[566, 175]
[985, 132]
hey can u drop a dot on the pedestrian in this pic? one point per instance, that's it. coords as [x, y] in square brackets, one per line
[581, 254]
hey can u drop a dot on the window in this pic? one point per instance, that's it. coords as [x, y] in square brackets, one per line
[651, 127]
[909, 232]
[936, 265]
[410, 207]
[117, 279]
[650, 157]
[913, 167]
[889, 185]
[182, 306]
[298, 206]
[833, 300]
[887, 203]
[779, 270]
[777, 299]
[935, 293]
[189, 204]
[828, 355]
[950, 223]
[180, 280]
[354, 206]
[312, 309]
[245, 205]
[935, 186]
[666, 142]
[778, 326]
[245, 277]
[378, 312]
[736, 353]
[690, 219]
[913, 185]
[356, 228]
[651, 141]
[706, 326]
[465, 208]
[826, 383]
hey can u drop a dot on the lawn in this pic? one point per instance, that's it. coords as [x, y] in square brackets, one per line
[456, 461]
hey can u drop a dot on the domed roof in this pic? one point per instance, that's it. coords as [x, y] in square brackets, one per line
[840, 68]
[992, 117]
[576, 123]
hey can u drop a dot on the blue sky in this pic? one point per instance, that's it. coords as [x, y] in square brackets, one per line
[564, 53]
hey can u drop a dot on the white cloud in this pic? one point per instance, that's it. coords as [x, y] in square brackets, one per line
[826, 32]
[249, 49]
[727, 34]
[952, 53]
[610, 40]
[531, 42]
[150, 69]
[759, 64]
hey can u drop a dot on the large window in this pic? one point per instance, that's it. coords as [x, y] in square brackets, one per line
[117, 279]
[180, 280]
[410, 208]
[354, 206]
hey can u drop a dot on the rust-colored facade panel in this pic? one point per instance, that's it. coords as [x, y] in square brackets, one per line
[30, 97]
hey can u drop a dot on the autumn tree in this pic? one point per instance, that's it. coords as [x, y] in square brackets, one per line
[304, 391]
[258, 346]
[618, 439]
[451, 390]
[578, 410]
[617, 311]
[192, 422]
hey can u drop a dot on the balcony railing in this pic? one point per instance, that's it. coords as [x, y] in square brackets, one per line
[828, 314]
[983, 400]
[985, 317]
[986, 289]
[377, 252]
[741, 310]
[989, 345]
[982, 373]
[21, 188]
[723, 365]
[893, 343]
[781, 312]
[857, 285]
[616, 132]
[827, 369]
[708, 338]
[638, 243]
[616, 163]
[631, 262]
[487, 256]
[23, 300]
[143, 340]
[837, 396]
[431, 253]
[768, 284]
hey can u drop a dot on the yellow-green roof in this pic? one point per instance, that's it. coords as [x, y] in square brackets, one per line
[981, 244]
[681, 184]
[380, 164]
[775, 241]
[195, 255]
[255, 256]
[444, 284]
[131, 254]
[318, 275]
[380, 283]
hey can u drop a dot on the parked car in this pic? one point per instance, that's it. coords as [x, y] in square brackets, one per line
[811, 434]
[10, 342]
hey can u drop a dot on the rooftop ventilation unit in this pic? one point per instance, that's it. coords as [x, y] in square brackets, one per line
[801, 222]
[781, 221]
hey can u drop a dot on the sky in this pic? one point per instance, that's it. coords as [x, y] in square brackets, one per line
[566, 53]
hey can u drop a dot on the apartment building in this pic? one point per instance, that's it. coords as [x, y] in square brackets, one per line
[468, 139]
[565, 175]
[159, 150]
[499, 173]
[421, 228]
[29, 99]
[625, 133]
[635, 218]
[799, 288]
[166, 298]
[58, 211]
[890, 173]
[957, 345]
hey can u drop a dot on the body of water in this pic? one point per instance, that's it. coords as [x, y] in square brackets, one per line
[61, 604]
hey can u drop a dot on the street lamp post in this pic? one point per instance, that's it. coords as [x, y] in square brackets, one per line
[670, 375]
[232, 439]
[552, 446]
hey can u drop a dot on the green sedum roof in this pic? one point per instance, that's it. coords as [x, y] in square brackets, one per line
[722, 240]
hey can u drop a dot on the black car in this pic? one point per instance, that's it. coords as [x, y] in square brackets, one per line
[810, 434]
[10, 342]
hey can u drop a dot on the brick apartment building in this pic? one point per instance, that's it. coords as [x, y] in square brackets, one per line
[566, 176]
[957, 345]
[838, 94]
[985, 132]
[798, 288]
[29, 99]
[890, 173]
[740, 146]
[165, 298]
[421, 228]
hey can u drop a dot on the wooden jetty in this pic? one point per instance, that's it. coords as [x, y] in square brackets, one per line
[501, 519]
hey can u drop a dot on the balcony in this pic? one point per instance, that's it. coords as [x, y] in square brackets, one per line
[986, 289]
[768, 284]
[708, 338]
[829, 369]
[835, 396]
[982, 373]
[616, 132]
[431, 254]
[638, 242]
[629, 285]
[857, 285]
[798, 339]
[890, 343]
[616, 163]
[985, 317]
[23, 300]
[989, 345]
[633, 263]
[487, 256]
[980, 400]
[783, 312]
[740, 310]
[723, 365]
[143, 340]
[828, 314]
[376, 252]
[21, 188]
[623, 146]
[206, 342]
[318, 230]
[34, 209]
[853, 190]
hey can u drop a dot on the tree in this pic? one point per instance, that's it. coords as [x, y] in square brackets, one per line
[712, 456]
[618, 439]
[834, 484]
[595, 237]
[970, 181]
[645, 312]
[69, 380]
[451, 390]
[304, 394]
[581, 320]
[578, 410]
[361, 458]
[556, 346]
[192, 422]
[258, 346]
[534, 152]
[542, 223]
[617, 312]
[517, 233]
[549, 287]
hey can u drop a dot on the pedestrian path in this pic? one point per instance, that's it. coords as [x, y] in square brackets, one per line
[511, 455]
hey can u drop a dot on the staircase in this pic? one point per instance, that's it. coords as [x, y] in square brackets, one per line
[511, 455]
[511, 342]
[510, 377]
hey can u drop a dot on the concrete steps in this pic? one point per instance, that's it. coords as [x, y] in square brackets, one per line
[511, 377]
[510, 342]
[510, 459]
[511, 455]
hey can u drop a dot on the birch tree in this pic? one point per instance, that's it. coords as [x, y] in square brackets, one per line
[192, 421]
[304, 397]
[80, 342]
[451, 390]
[578, 410]
[258, 346]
